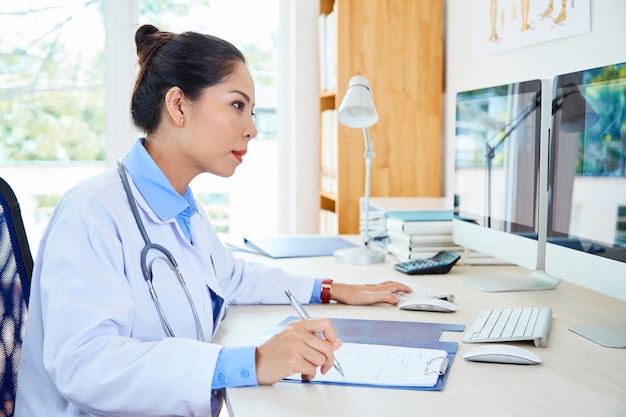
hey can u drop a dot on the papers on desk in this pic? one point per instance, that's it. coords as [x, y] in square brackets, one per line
[385, 336]
[385, 366]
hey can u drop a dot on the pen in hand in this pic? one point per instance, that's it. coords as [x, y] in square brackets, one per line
[304, 315]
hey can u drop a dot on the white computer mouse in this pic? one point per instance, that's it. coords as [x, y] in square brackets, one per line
[427, 304]
[499, 353]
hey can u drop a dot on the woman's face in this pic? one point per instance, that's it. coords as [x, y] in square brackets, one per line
[220, 124]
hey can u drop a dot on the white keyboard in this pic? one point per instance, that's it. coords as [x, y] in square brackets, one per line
[511, 325]
[419, 291]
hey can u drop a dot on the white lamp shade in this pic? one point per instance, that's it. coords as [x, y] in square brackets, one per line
[357, 108]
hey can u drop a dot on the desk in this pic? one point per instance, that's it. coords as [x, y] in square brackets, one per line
[577, 377]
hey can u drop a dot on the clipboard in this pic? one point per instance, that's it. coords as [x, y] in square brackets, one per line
[295, 246]
[394, 333]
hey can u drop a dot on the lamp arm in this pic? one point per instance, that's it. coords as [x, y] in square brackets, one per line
[368, 155]
[509, 129]
[490, 150]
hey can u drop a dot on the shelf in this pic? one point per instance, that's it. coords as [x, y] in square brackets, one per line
[327, 101]
[328, 201]
[398, 46]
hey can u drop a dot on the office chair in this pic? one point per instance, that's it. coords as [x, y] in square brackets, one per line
[16, 267]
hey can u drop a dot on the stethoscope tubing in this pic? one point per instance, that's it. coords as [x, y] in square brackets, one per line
[146, 271]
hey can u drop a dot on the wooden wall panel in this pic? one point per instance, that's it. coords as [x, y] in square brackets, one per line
[397, 45]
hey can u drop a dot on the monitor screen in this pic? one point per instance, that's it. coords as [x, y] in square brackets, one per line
[587, 181]
[501, 144]
[586, 241]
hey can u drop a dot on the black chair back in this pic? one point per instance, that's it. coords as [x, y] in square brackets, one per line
[16, 267]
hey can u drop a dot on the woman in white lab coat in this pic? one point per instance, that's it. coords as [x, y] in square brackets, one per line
[96, 342]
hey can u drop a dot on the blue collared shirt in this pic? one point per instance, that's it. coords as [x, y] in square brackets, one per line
[167, 203]
[235, 366]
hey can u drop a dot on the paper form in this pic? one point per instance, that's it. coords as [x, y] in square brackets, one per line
[388, 366]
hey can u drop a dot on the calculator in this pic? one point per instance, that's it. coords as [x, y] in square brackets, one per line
[441, 263]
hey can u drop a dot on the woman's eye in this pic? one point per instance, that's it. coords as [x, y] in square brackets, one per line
[239, 105]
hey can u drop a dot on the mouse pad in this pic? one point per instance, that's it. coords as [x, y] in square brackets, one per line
[393, 333]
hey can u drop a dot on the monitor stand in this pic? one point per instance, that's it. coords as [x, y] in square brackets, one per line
[538, 280]
[609, 335]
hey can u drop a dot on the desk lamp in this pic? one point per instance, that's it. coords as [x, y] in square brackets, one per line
[357, 110]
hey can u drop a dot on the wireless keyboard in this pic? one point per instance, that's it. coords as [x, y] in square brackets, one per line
[511, 325]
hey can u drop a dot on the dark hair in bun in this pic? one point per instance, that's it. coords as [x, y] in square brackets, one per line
[190, 60]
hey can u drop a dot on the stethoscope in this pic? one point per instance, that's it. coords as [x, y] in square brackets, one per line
[146, 268]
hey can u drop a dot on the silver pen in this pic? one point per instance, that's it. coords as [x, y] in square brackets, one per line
[305, 316]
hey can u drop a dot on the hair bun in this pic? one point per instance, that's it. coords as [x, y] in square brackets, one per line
[145, 39]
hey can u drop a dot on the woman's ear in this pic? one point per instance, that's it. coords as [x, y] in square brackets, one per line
[174, 100]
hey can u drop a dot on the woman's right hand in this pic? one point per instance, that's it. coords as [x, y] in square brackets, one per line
[297, 349]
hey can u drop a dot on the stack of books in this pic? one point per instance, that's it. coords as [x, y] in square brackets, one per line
[419, 227]
[419, 234]
[415, 227]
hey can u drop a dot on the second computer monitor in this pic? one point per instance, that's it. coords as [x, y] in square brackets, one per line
[501, 145]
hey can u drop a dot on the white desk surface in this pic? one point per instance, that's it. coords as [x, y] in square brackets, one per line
[576, 378]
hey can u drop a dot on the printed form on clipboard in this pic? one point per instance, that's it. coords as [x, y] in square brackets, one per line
[385, 366]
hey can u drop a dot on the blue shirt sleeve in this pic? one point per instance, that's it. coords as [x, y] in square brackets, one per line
[235, 368]
[316, 295]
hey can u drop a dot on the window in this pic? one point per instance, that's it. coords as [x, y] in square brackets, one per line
[51, 101]
[252, 26]
[53, 113]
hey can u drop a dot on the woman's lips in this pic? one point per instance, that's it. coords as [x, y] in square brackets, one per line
[239, 154]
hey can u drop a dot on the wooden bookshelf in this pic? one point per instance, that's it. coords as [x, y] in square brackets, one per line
[397, 45]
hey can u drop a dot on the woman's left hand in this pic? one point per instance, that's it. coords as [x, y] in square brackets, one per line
[365, 294]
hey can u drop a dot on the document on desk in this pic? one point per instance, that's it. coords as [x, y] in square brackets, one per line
[385, 366]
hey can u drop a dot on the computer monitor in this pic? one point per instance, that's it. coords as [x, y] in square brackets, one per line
[587, 189]
[501, 145]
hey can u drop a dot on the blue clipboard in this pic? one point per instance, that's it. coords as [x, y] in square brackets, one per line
[295, 246]
[393, 333]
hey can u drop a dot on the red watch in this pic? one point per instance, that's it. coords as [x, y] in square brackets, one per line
[326, 286]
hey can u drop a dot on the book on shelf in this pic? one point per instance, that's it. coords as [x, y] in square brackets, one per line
[327, 50]
[328, 223]
[329, 162]
[321, 44]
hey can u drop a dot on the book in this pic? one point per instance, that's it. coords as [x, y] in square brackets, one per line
[472, 257]
[421, 215]
[327, 50]
[420, 252]
[328, 157]
[439, 227]
[411, 204]
[322, 40]
[408, 241]
[416, 209]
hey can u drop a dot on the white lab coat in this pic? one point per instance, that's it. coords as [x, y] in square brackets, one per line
[94, 342]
